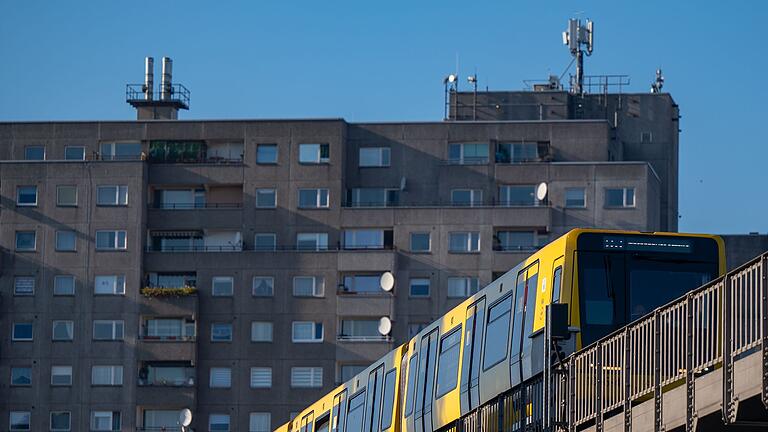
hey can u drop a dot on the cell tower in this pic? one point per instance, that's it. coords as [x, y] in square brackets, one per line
[576, 36]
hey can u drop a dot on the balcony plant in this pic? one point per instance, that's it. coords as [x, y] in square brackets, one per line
[168, 292]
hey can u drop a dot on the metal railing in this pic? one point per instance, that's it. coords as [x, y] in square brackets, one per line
[707, 329]
[136, 93]
[193, 206]
[447, 203]
[369, 338]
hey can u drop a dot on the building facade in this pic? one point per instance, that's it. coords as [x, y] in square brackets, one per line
[233, 267]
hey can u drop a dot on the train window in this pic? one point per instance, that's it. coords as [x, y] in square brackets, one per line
[497, 333]
[596, 289]
[557, 284]
[389, 400]
[411, 384]
[322, 424]
[356, 413]
[374, 400]
[448, 362]
[338, 412]
[519, 308]
[530, 309]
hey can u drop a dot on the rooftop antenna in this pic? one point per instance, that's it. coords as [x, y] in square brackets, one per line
[576, 36]
[472, 79]
[658, 83]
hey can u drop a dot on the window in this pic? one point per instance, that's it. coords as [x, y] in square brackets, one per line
[266, 153]
[34, 153]
[120, 150]
[266, 198]
[22, 332]
[180, 198]
[110, 285]
[115, 195]
[265, 242]
[448, 363]
[646, 137]
[517, 152]
[222, 286]
[367, 239]
[221, 377]
[373, 197]
[259, 422]
[518, 195]
[221, 332]
[65, 241]
[515, 240]
[388, 399]
[61, 375]
[308, 286]
[420, 242]
[74, 153]
[105, 421]
[307, 331]
[263, 286]
[111, 240]
[218, 423]
[21, 376]
[24, 286]
[620, 197]
[26, 196]
[467, 197]
[261, 377]
[313, 198]
[557, 280]
[66, 196]
[312, 241]
[306, 377]
[575, 197]
[464, 242]
[364, 283]
[261, 331]
[108, 329]
[26, 241]
[107, 375]
[360, 330]
[459, 287]
[497, 333]
[20, 420]
[468, 154]
[63, 330]
[419, 287]
[314, 153]
[349, 371]
[374, 157]
[169, 328]
[61, 421]
[63, 285]
[356, 413]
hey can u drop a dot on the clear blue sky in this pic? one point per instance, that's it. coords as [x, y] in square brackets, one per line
[384, 60]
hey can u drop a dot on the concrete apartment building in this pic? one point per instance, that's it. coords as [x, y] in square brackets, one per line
[233, 267]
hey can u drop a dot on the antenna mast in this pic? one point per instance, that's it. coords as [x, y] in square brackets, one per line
[576, 36]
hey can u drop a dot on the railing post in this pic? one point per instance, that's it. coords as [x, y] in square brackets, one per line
[690, 384]
[627, 381]
[571, 395]
[727, 316]
[764, 323]
[599, 387]
[658, 417]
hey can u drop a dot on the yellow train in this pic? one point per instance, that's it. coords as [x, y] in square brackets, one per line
[494, 340]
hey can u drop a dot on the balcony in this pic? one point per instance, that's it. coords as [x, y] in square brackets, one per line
[195, 241]
[159, 375]
[180, 301]
[195, 152]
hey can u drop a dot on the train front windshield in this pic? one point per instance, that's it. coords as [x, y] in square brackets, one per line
[624, 277]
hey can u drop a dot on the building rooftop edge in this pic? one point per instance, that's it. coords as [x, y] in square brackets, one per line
[299, 120]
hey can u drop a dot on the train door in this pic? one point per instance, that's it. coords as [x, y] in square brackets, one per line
[408, 403]
[494, 377]
[425, 382]
[338, 413]
[470, 364]
[373, 406]
[525, 303]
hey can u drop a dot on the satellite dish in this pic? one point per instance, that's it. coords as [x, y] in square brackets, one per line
[541, 191]
[185, 417]
[451, 78]
[385, 326]
[387, 281]
[402, 183]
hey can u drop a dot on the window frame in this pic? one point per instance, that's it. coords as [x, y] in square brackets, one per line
[583, 197]
[468, 282]
[15, 338]
[380, 152]
[220, 279]
[118, 188]
[68, 148]
[33, 147]
[319, 159]
[53, 384]
[69, 421]
[624, 195]
[222, 416]
[319, 245]
[118, 286]
[319, 204]
[469, 242]
[314, 338]
[71, 328]
[19, 189]
[429, 242]
[269, 324]
[116, 375]
[17, 279]
[30, 249]
[264, 414]
[11, 416]
[259, 248]
[277, 153]
[222, 325]
[474, 194]
[273, 191]
[410, 287]
[262, 369]
[469, 160]
[312, 370]
[115, 324]
[24, 368]
[62, 277]
[455, 331]
[58, 196]
[59, 233]
[211, 376]
[116, 244]
[318, 289]
[114, 417]
[271, 280]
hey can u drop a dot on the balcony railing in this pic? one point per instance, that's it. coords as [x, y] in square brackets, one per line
[159, 429]
[468, 160]
[167, 338]
[194, 206]
[513, 248]
[369, 338]
[444, 203]
[188, 380]
[196, 248]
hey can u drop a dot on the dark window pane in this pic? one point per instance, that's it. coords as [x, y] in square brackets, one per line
[497, 333]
